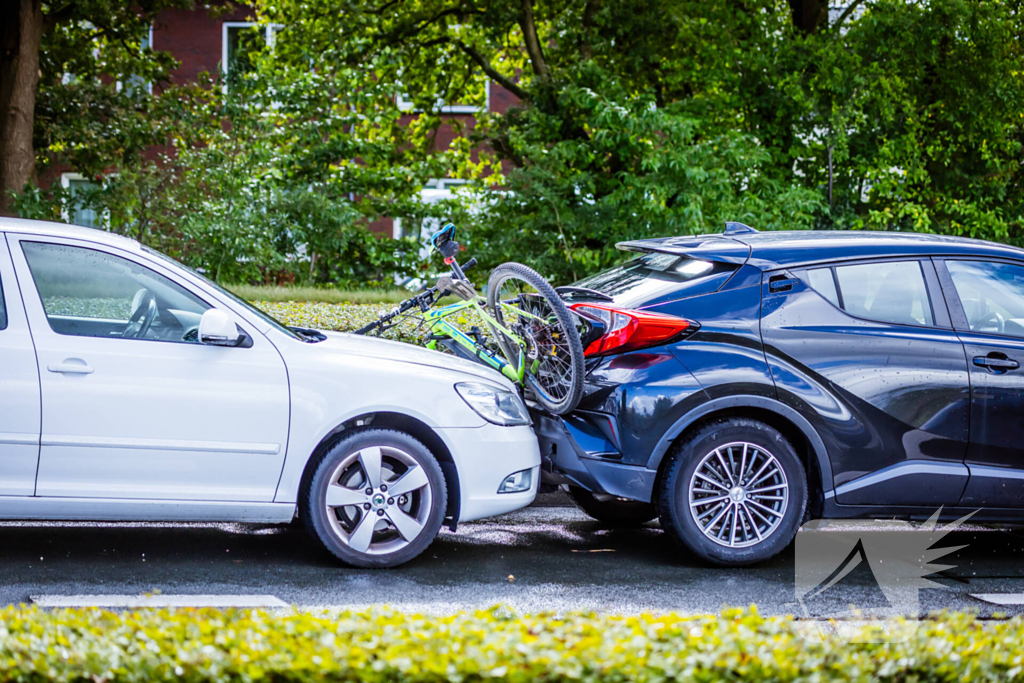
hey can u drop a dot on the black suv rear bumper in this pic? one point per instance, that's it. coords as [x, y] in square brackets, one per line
[572, 454]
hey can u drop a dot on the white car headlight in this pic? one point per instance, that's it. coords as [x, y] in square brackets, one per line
[498, 406]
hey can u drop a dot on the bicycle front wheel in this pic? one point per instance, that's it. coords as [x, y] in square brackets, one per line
[540, 334]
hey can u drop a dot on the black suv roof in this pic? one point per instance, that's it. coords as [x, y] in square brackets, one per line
[780, 249]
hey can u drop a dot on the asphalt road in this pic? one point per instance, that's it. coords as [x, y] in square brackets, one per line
[537, 559]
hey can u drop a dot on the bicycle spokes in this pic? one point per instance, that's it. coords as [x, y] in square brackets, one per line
[544, 345]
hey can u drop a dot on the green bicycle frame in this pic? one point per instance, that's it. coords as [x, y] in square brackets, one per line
[438, 325]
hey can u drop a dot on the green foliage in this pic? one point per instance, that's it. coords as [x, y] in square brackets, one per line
[273, 175]
[283, 188]
[643, 117]
[631, 169]
[342, 317]
[383, 645]
[93, 102]
[319, 294]
[635, 118]
[924, 106]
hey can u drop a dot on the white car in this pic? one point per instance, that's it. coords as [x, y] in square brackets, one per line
[134, 389]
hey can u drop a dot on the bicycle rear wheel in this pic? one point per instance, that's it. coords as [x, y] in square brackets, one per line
[524, 303]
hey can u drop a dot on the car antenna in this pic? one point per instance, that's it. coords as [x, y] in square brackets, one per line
[732, 228]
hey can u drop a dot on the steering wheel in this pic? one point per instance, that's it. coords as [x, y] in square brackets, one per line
[993, 317]
[142, 317]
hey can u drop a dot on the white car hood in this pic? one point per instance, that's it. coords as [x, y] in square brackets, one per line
[385, 349]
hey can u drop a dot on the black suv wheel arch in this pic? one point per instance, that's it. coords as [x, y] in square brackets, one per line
[819, 469]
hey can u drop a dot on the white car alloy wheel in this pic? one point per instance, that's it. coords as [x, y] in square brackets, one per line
[738, 495]
[378, 500]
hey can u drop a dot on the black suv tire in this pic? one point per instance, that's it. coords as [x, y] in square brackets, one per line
[611, 510]
[674, 494]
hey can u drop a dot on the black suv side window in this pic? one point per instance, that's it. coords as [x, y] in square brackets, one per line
[823, 281]
[887, 291]
[3, 310]
[992, 295]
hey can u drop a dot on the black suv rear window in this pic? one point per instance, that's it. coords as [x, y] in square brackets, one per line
[655, 275]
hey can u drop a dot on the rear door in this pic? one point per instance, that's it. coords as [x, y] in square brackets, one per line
[987, 308]
[19, 389]
[866, 352]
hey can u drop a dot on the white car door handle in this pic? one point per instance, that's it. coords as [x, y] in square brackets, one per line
[70, 366]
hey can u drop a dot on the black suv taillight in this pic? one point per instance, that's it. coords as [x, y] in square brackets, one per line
[628, 330]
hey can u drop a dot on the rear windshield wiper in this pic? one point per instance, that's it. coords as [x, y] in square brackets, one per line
[583, 291]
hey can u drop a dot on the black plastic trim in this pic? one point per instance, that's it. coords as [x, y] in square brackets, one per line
[745, 401]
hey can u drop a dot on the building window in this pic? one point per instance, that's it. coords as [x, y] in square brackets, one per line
[81, 190]
[433, 192]
[406, 104]
[239, 41]
[138, 84]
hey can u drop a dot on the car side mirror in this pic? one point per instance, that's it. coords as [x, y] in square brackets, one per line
[217, 329]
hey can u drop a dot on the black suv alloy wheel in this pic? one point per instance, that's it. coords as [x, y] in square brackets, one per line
[734, 492]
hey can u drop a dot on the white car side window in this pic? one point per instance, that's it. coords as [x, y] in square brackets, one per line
[90, 293]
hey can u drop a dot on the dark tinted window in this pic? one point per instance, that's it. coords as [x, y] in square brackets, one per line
[992, 295]
[655, 274]
[889, 292]
[822, 281]
[3, 310]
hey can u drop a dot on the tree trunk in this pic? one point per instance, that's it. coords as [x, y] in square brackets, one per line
[20, 37]
[809, 15]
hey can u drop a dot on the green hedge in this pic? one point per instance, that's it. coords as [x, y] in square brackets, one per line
[347, 317]
[382, 645]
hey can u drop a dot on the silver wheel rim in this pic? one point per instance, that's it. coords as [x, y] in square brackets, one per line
[738, 495]
[378, 500]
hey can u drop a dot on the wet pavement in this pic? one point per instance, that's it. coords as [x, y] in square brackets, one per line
[538, 559]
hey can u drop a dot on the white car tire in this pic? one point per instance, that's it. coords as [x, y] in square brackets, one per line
[376, 498]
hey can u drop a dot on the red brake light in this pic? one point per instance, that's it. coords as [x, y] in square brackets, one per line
[627, 330]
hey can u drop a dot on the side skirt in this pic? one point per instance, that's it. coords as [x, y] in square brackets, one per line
[992, 515]
[132, 510]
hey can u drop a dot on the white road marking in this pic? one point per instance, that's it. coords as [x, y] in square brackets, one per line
[1000, 598]
[136, 601]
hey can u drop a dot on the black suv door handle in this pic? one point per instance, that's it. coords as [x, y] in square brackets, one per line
[780, 283]
[996, 363]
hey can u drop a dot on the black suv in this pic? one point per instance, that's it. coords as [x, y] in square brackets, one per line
[745, 380]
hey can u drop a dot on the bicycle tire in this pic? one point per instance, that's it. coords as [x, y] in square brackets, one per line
[559, 405]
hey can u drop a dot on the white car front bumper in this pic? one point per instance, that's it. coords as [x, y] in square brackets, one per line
[484, 457]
